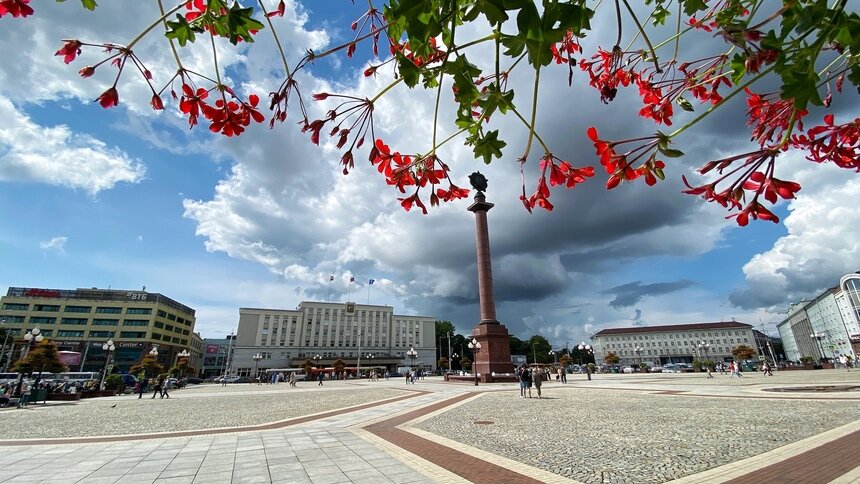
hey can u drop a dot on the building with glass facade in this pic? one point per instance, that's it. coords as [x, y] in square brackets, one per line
[82, 320]
[358, 334]
[826, 326]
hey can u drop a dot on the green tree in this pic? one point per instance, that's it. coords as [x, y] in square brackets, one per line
[338, 366]
[149, 365]
[611, 358]
[113, 382]
[42, 358]
[539, 349]
[518, 346]
[443, 328]
[442, 363]
[465, 363]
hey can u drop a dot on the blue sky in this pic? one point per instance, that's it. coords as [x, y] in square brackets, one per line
[128, 198]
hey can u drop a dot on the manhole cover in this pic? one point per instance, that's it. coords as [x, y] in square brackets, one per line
[484, 422]
[816, 389]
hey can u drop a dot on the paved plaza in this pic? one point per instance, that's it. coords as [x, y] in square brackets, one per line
[641, 428]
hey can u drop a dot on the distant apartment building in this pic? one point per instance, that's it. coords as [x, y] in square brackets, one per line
[82, 320]
[680, 343]
[324, 332]
[826, 326]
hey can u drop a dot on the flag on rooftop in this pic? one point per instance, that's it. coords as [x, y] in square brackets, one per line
[330, 278]
[371, 281]
[352, 279]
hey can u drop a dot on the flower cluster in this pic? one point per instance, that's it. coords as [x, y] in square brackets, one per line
[563, 51]
[228, 117]
[560, 173]
[15, 8]
[607, 72]
[621, 167]
[405, 171]
[771, 116]
[839, 144]
[374, 22]
[753, 175]
[352, 117]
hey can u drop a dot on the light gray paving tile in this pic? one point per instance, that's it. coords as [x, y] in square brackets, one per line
[214, 478]
[141, 478]
[295, 466]
[314, 469]
[253, 479]
[354, 465]
[177, 472]
[292, 478]
[100, 480]
[335, 478]
[175, 480]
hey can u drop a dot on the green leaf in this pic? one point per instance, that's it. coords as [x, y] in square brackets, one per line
[180, 31]
[239, 24]
[408, 70]
[671, 152]
[693, 6]
[739, 68]
[493, 10]
[489, 146]
[89, 4]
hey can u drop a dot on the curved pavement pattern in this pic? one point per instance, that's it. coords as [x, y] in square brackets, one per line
[647, 428]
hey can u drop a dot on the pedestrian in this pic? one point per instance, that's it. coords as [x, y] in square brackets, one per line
[141, 387]
[563, 374]
[158, 385]
[164, 387]
[414, 376]
[766, 369]
[537, 376]
[320, 379]
[522, 375]
[293, 379]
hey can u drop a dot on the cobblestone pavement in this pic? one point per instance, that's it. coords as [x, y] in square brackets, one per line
[616, 428]
[206, 407]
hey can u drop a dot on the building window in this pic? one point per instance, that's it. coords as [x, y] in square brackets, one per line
[156, 336]
[132, 334]
[70, 334]
[138, 311]
[46, 307]
[171, 317]
[79, 321]
[16, 307]
[162, 314]
[135, 322]
[158, 325]
[35, 320]
[105, 322]
[101, 334]
[77, 309]
[106, 310]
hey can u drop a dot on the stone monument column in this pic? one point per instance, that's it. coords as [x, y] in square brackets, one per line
[495, 352]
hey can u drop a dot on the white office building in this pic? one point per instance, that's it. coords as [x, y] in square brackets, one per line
[360, 335]
[680, 343]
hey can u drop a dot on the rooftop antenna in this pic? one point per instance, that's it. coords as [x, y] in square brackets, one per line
[144, 289]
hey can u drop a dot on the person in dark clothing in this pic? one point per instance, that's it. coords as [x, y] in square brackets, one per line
[158, 386]
[141, 387]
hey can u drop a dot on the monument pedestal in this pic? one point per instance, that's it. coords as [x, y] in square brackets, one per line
[495, 352]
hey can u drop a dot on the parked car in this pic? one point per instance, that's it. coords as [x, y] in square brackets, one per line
[239, 379]
[627, 369]
[194, 381]
[670, 368]
[655, 369]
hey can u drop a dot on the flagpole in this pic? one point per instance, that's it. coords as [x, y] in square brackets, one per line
[349, 288]
[368, 294]
[328, 298]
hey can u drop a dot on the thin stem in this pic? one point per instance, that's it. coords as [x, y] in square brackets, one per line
[537, 136]
[387, 88]
[172, 46]
[618, 19]
[531, 125]
[215, 58]
[154, 24]
[644, 36]
[344, 46]
[275, 35]
[722, 101]
[678, 33]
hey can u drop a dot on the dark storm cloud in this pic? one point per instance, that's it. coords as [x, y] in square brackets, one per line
[629, 294]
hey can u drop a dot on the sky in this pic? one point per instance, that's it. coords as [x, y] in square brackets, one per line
[128, 197]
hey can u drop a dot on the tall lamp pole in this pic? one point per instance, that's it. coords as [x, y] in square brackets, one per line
[257, 357]
[108, 348]
[32, 337]
[818, 337]
[6, 339]
[475, 346]
[584, 348]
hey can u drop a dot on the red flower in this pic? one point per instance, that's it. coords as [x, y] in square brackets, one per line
[407, 202]
[156, 102]
[109, 98]
[87, 71]
[839, 144]
[16, 8]
[69, 50]
[279, 12]
[192, 103]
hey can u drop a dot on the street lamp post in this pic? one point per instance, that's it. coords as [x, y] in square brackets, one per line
[638, 351]
[554, 356]
[32, 337]
[475, 346]
[257, 357]
[108, 348]
[412, 354]
[584, 348]
[704, 346]
[370, 357]
[818, 337]
[453, 355]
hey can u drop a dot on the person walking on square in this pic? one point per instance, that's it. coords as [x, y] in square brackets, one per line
[563, 374]
[408, 376]
[537, 376]
[141, 387]
[164, 387]
[158, 385]
[293, 379]
[320, 379]
[766, 369]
